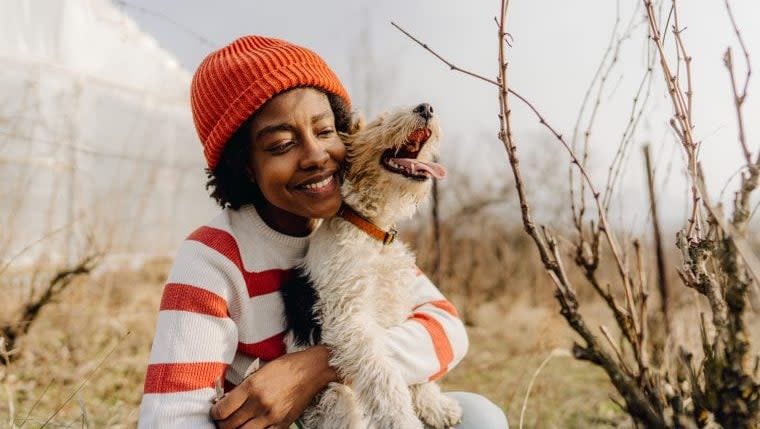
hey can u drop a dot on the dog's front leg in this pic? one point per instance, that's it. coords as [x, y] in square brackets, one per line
[336, 408]
[358, 353]
[433, 407]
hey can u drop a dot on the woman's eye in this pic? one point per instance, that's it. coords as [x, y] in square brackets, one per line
[327, 132]
[282, 147]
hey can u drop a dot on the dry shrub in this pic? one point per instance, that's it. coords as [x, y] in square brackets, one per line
[665, 378]
[96, 339]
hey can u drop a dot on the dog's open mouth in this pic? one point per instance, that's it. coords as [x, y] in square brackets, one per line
[404, 160]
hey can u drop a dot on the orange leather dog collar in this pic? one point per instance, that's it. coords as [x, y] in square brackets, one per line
[349, 214]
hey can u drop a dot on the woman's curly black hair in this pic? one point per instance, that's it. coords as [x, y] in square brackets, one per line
[230, 183]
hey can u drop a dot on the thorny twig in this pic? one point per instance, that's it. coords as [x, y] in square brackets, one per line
[687, 60]
[749, 68]
[615, 169]
[443, 60]
[749, 180]
[681, 121]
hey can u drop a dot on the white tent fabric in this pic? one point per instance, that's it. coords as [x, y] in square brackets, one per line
[91, 39]
[96, 137]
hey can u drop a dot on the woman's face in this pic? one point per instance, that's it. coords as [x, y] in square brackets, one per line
[295, 156]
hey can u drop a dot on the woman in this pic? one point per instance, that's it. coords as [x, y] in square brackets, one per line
[268, 114]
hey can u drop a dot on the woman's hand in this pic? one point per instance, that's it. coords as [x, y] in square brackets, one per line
[276, 394]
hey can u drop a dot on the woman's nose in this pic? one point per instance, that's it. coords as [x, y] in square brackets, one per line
[315, 154]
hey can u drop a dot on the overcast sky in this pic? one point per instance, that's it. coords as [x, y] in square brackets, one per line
[557, 46]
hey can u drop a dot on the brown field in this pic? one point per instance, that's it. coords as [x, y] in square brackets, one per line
[72, 337]
[58, 365]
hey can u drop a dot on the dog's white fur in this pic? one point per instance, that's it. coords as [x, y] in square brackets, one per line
[363, 287]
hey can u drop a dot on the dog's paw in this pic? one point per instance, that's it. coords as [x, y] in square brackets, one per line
[443, 413]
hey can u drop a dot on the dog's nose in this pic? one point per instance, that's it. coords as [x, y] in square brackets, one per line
[425, 110]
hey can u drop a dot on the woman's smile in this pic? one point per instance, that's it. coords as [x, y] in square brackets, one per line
[320, 186]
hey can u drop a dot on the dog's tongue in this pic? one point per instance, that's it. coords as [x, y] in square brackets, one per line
[435, 170]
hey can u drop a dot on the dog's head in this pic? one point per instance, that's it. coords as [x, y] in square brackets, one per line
[393, 156]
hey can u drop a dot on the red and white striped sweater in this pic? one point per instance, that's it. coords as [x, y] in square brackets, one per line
[221, 309]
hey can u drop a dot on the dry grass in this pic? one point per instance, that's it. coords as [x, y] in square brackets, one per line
[508, 345]
[512, 337]
[73, 335]
[71, 338]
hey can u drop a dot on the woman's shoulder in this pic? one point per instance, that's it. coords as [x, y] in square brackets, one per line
[218, 240]
[245, 241]
[236, 255]
[217, 234]
[208, 263]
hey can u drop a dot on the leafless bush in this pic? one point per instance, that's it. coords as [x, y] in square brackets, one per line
[43, 290]
[470, 245]
[662, 382]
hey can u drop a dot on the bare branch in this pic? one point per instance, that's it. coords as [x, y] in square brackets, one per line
[662, 277]
[637, 112]
[687, 59]
[616, 349]
[13, 330]
[743, 46]
[578, 217]
[443, 60]
[681, 119]
[738, 102]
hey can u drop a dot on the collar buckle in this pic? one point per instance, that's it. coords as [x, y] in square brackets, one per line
[351, 216]
[389, 236]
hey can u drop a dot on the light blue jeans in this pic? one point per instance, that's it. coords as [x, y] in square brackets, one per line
[477, 412]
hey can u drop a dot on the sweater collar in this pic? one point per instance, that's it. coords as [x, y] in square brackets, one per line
[257, 225]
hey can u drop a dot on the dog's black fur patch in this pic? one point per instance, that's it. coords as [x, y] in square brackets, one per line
[299, 296]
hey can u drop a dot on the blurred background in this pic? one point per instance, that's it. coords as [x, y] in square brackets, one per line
[102, 173]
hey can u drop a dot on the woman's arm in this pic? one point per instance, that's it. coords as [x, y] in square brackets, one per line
[194, 343]
[432, 340]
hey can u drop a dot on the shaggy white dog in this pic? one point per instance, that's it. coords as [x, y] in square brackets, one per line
[362, 283]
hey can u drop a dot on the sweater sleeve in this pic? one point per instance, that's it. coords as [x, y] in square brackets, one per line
[195, 340]
[432, 340]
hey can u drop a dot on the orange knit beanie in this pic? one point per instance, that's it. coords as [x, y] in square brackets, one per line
[234, 81]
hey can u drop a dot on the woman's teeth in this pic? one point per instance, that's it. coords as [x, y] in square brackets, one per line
[319, 185]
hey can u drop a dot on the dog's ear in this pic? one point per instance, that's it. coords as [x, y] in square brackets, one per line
[357, 123]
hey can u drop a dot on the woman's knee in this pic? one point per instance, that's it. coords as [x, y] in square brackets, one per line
[478, 412]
